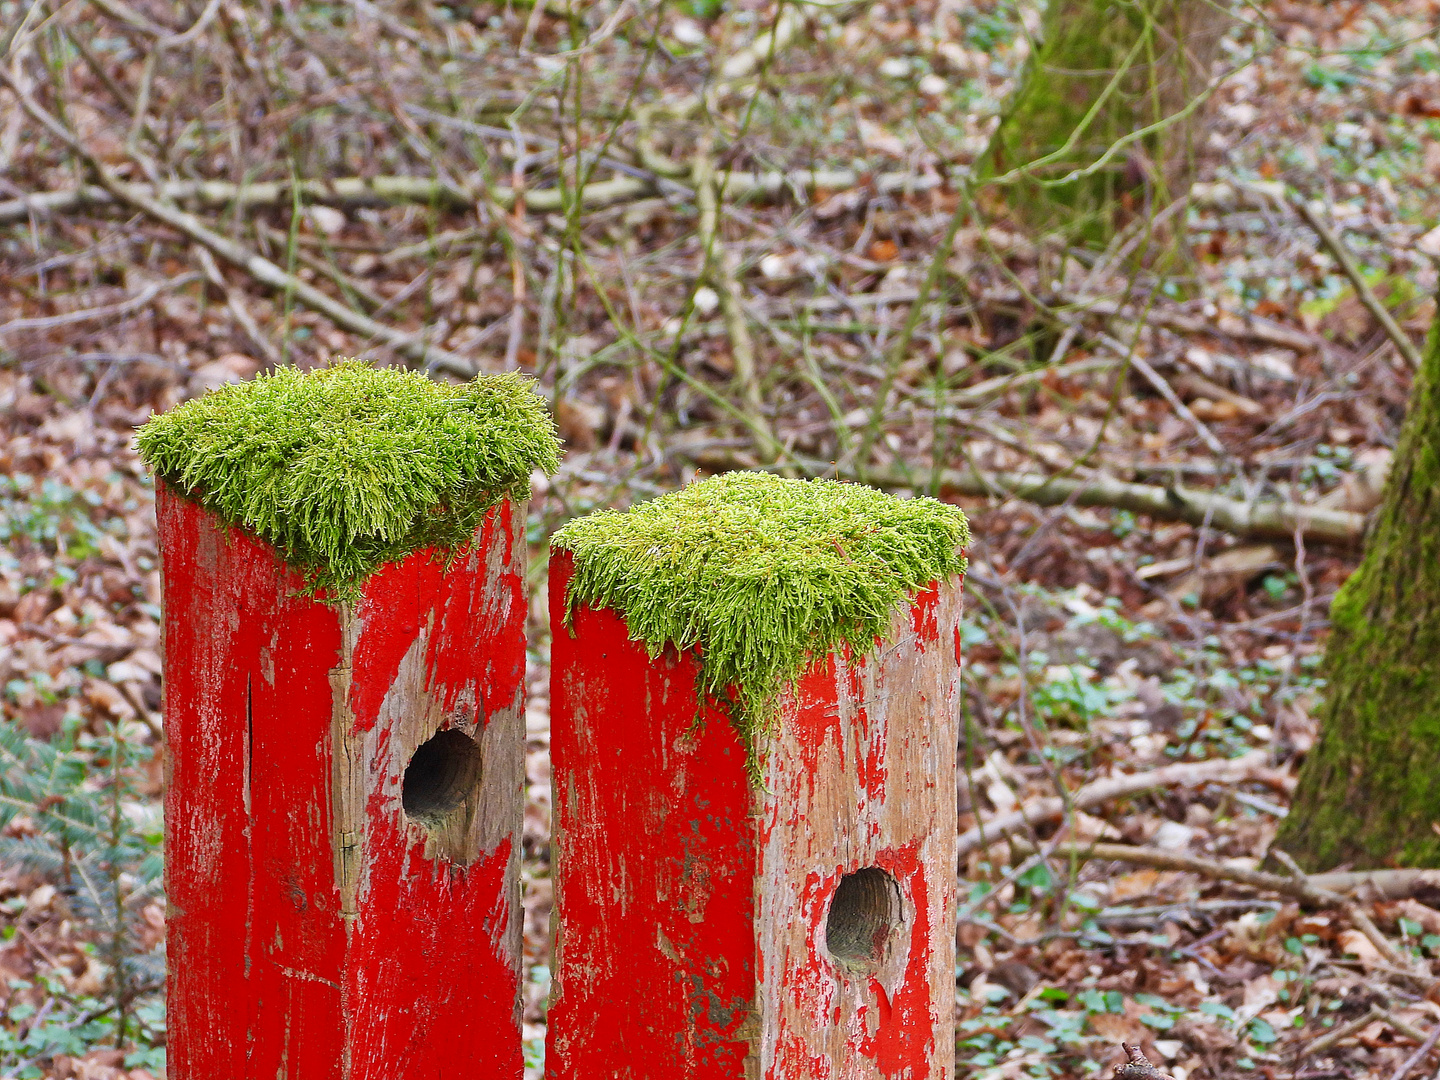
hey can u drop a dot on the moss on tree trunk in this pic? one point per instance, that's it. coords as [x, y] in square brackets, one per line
[1103, 70]
[1369, 792]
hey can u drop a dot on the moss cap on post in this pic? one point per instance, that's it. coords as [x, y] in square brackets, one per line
[762, 573]
[349, 467]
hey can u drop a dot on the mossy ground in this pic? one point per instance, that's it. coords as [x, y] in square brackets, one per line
[762, 573]
[349, 467]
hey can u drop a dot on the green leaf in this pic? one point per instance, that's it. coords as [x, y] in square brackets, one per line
[1262, 1032]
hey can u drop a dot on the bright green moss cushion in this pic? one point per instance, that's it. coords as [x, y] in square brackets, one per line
[348, 467]
[762, 573]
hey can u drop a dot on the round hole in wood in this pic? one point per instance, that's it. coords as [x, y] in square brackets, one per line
[863, 912]
[442, 772]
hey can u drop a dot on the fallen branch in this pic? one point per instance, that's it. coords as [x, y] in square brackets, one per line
[1271, 519]
[1251, 766]
[1344, 1031]
[1223, 324]
[1297, 884]
[357, 191]
[106, 311]
[1160, 859]
[1379, 884]
[261, 269]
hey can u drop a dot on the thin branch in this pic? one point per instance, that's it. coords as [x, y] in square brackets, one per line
[106, 311]
[261, 269]
[1275, 519]
[1251, 766]
[348, 191]
[720, 264]
[1337, 248]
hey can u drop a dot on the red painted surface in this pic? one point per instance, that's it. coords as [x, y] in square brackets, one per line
[692, 907]
[656, 947]
[267, 976]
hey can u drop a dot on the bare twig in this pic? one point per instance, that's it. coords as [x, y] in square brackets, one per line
[1153, 377]
[106, 311]
[261, 269]
[349, 191]
[722, 266]
[1173, 503]
[1403, 1069]
[1344, 1031]
[1337, 248]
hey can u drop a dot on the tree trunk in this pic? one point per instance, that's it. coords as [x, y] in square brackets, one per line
[1369, 791]
[1104, 70]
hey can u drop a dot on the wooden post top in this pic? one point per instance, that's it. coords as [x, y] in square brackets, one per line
[346, 468]
[762, 574]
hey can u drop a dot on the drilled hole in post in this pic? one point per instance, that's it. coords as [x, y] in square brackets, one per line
[441, 774]
[863, 913]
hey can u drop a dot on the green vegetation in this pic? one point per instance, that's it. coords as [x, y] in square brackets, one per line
[71, 813]
[349, 467]
[1102, 74]
[762, 573]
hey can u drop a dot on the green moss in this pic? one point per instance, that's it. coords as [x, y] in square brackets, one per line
[349, 467]
[762, 573]
[1369, 793]
[1083, 45]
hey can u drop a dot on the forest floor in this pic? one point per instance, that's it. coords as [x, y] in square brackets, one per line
[1099, 641]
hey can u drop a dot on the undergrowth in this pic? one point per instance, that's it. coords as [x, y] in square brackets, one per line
[349, 467]
[71, 814]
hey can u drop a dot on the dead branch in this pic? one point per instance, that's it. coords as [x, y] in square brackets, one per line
[1251, 766]
[1159, 859]
[1298, 885]
[106, 311]
[1337, 248]
[721, 264]
[1345, 1030]
[1154, 378]
[412, 346]
[1270, 519]
[357, 191]
[1379, 884]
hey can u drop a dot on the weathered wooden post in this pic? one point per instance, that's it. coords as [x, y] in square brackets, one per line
[754, 684]
[344, 598]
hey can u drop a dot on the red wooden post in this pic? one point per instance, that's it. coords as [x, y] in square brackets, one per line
[710, 928]
[344, 801]
[343, 811]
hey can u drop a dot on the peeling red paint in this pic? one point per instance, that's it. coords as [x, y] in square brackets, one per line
[693, 907]
[924, 615]
[267, 976]
[654, 968]
[907, 1023]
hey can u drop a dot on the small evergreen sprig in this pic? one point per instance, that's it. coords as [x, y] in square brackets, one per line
[87, 830]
